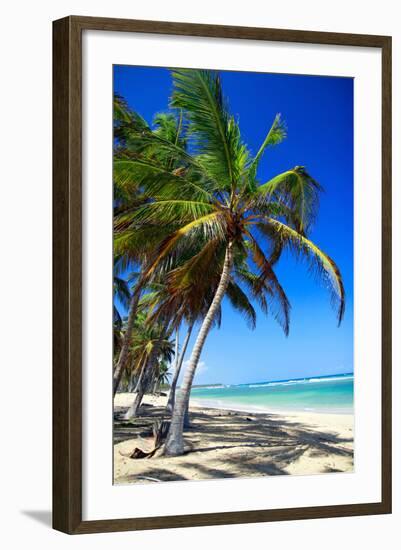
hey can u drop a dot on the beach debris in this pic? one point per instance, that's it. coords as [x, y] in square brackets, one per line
[149, 447]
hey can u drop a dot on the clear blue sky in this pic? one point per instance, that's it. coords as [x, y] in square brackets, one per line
[319, 115]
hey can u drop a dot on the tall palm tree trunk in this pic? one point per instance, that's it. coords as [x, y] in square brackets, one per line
[176, 361]
[133, 382]
[123, 357]
[187, 422]
[139, 393]
[175, 442]
[140, 377]
[133, 410]
[177, 346]
[178, 366]
[141, 386]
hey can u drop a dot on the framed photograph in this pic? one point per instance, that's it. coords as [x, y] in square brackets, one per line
[222, 275]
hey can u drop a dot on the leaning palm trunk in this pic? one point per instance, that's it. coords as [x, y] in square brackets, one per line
[139, 393]
[141, 387]
[133, 410]
[123, 357]
[178, 366]
[169, 407]
[187, 422]
[133, 382]
[177, 346]
[175, 441]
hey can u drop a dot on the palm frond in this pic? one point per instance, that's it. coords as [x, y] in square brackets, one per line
[214, 134]
[157, 181]
[278, 301]
[319, 262]
[211, 226]
[240, 302]
[298, 191]
[275, 135]
[170, 128]
[150, 145]
[136, 243]
[126, 121]
[122, 113]
[168, 211]
[252, 282]
[192, 272]
[121, 265]
[121, 291]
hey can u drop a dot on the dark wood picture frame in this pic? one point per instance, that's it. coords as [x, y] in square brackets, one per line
[67, 277]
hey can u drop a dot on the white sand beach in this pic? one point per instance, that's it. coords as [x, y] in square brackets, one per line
[227, 443]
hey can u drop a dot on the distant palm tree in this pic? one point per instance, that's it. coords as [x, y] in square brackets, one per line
[174, 305]
[150, 345]
[162, 376]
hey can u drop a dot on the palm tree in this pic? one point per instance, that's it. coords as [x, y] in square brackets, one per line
[215, 199]
[130, 191]
[162, 375]
[179, 360]
[184, 297]
[150, 346]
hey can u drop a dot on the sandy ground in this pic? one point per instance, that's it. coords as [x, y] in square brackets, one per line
[222, 443]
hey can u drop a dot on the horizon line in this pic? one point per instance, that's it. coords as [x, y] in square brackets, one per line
[277, 380]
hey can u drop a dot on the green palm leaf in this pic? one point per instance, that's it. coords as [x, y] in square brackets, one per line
[168, 211]
[298, 191]
[210, 226]
[157, 181]
[278, 301]
[240, 301]
[214, 135]
[320, 262]
[170, 128]
[275, 135]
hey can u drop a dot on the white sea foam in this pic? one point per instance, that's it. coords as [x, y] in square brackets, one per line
[280, 383]
[268, 384]
[300, 381]
[331, 379]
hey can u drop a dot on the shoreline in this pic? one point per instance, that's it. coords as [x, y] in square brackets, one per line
[227, 443]
[230, 406]
[125, 399]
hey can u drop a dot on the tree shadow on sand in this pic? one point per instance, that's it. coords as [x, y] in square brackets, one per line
[227, 444]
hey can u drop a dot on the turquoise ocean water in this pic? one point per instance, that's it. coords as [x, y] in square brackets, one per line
[330, 394]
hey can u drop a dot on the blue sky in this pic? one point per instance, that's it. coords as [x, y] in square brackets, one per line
[319, 115]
